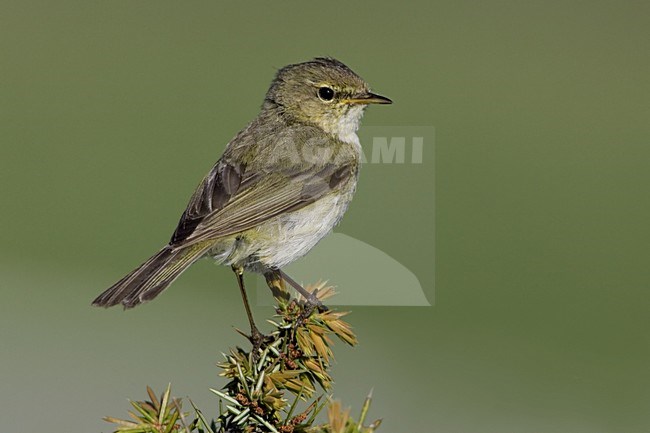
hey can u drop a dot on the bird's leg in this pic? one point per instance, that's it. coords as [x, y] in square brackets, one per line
[256, 337]
[276, 284]
[312, 300]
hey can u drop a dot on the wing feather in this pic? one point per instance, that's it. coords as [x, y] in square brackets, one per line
[260, 200]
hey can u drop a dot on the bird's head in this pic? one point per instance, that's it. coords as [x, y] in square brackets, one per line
[322, 92]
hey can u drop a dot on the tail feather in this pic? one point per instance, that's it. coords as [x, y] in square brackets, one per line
[151, 278]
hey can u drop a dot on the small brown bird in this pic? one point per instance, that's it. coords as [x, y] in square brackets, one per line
[282, 184]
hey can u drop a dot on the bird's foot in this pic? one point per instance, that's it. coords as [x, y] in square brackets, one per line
[312, 303]
[258, 340]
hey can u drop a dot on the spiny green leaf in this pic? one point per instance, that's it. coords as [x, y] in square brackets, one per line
[172, 422]
[164, 410]
[152, 397]
[202, 418]
[122, 422]
[144, 413]
[225, 397]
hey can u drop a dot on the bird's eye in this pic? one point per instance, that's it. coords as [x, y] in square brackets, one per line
[326, 93]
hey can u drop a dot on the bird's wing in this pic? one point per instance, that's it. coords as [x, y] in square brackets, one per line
[229, 200]
[212, 194]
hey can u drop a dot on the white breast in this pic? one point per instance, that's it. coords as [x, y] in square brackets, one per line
[294, 234]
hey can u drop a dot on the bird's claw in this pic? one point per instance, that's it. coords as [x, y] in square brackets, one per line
[258, 340]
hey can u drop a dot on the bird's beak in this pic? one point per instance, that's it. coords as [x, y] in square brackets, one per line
[369, 98]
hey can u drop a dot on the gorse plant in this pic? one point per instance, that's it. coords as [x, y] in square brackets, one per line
[270, 389]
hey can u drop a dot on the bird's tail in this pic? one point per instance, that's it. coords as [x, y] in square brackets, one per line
[151, 278]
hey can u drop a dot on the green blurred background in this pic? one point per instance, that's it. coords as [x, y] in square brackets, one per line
[111, 112]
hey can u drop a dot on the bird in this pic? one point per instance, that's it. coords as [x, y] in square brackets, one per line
[281, 185]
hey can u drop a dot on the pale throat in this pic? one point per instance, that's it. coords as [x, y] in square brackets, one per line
[345, 125]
